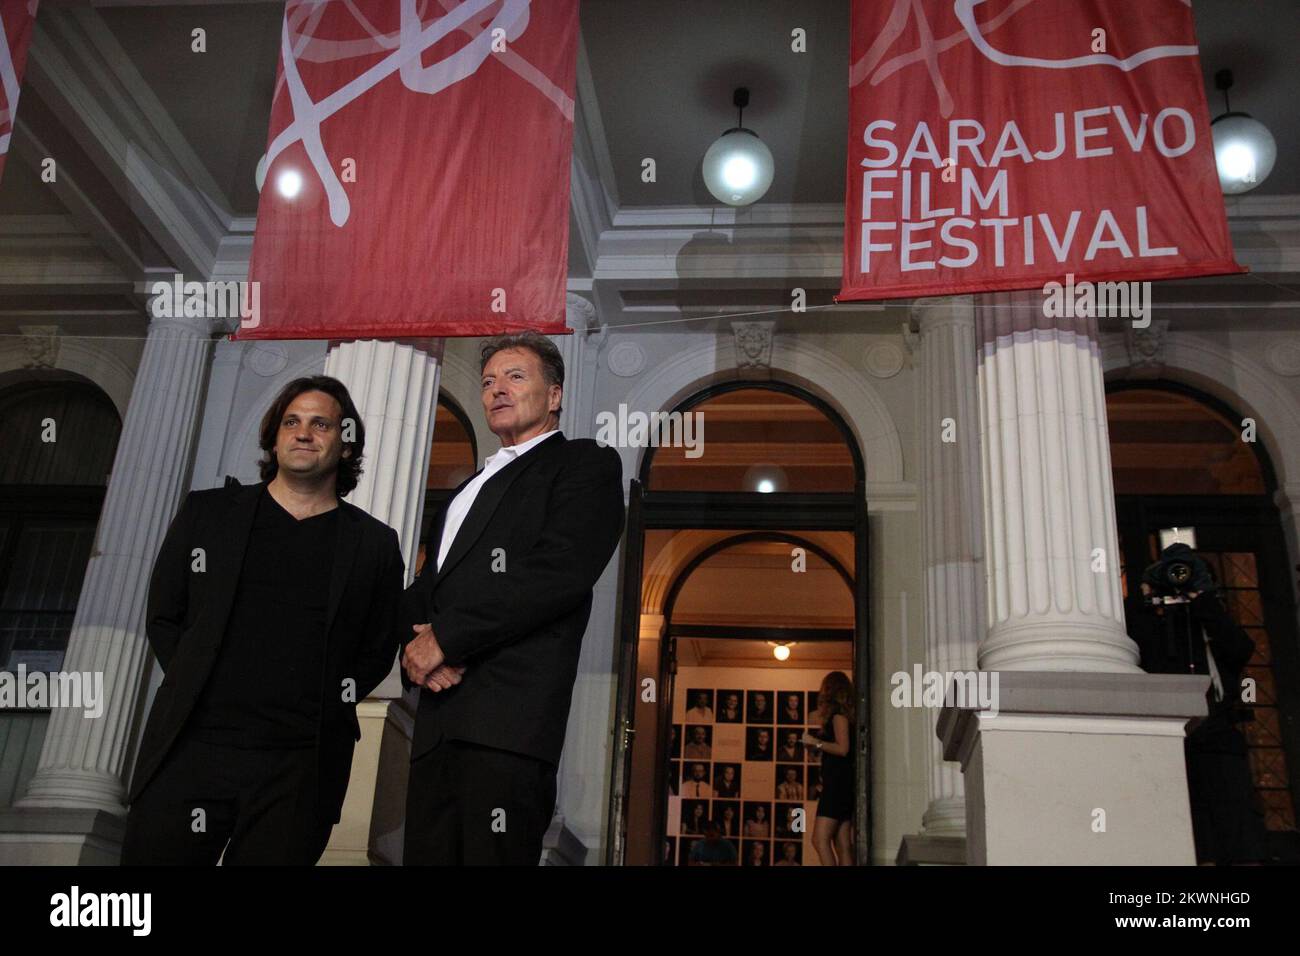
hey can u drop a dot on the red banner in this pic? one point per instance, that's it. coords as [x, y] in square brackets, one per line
[16, 19]
[417, 173]
[1002, 144]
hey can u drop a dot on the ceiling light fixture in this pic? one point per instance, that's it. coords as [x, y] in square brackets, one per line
[765, 479]
[1244, 149]
[738, 166]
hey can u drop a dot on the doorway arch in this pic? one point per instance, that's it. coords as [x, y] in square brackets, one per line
[60, 434]
[1179, 461]
[656, 511]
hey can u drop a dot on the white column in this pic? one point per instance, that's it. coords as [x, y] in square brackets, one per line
[951, 522]
[1074, 756]
[395, 388]
[580, 797]
[576, 415]
[83, 760]
[1054, 600]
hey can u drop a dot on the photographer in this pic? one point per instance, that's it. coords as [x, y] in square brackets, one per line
[1181, 626]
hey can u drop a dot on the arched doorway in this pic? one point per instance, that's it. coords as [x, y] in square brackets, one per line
[779, 471]
[453, 457]
[1182, 459]
[59, 436]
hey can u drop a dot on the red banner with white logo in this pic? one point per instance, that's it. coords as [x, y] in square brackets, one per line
[16, 19]
[1002, 144]
[416, 181]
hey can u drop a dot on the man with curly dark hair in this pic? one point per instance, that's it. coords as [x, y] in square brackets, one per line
[272, 613]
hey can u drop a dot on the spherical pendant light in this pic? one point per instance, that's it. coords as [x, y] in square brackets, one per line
[738, 167]
[1244, 149]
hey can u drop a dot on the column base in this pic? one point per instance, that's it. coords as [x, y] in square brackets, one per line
[923, 849]
[372, 827]
[561, 846]
[1077, 769]
[1048, 644]
[75, 790]
[59, 836]
[945, 817]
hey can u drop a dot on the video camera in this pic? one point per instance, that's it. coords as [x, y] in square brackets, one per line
[1178, 572]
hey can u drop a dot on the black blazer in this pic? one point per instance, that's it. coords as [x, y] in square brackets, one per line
[555, 514]
[187, 615]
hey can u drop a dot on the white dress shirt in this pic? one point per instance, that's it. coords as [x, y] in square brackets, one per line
[460, 505]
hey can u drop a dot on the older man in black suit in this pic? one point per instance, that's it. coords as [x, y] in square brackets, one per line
[497, 616]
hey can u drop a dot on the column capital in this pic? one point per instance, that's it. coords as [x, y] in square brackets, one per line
[432, 347]
[1002, 315]
[579, 312]
[200, 326]
[204, 309]
[934, 313]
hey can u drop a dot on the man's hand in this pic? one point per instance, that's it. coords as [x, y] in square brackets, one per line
[422, 656]
[443, 677]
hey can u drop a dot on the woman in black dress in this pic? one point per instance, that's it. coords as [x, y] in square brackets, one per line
[833, 830]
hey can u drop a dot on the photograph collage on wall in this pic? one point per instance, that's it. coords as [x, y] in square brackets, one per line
[737, 758]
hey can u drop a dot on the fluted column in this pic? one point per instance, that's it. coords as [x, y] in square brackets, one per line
[578, 793]
[1051, 550]
[395, 388]
[951, 523]
[83, 760]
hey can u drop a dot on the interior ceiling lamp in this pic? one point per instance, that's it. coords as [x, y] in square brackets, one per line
[738, 166]
[781, 649]
[1244, 149]
[764, 478]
